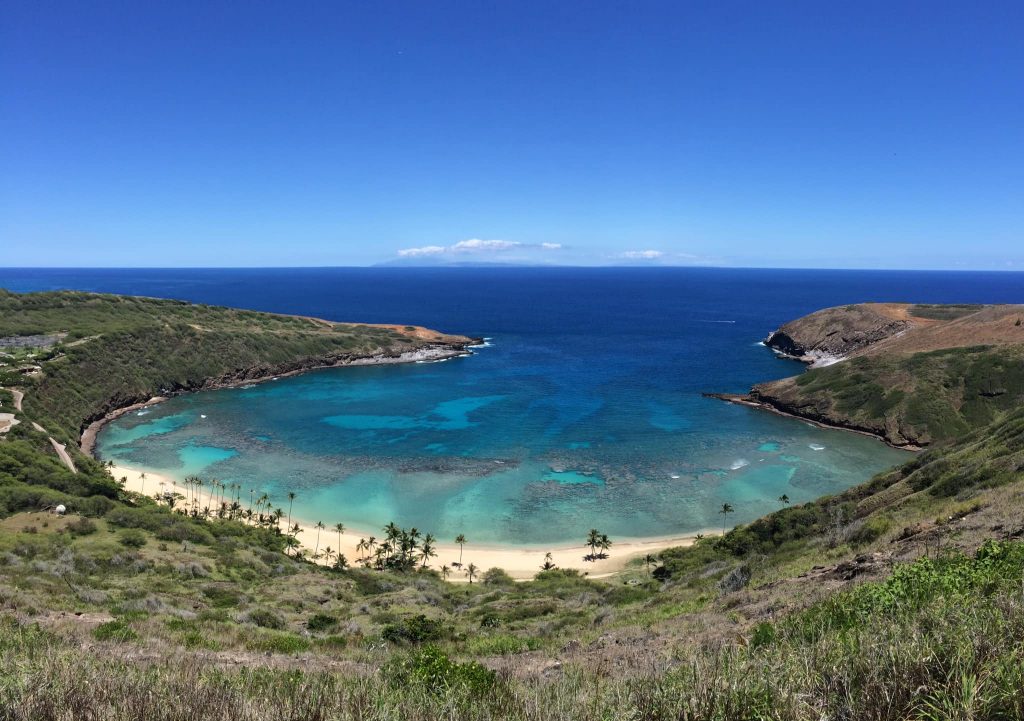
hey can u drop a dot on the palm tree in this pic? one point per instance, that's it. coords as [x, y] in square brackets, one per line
[327, 554]
[445, 571]
[319, 527]
[649, 561]
[549, 562]
[142, 487]
[291, 499]
[604, 543]
[340, 528]
[461, 540]
[391, 535]
[342, 563]
[593, 539]
[784, 499]
[725, 511]
[471, 571]
[427, 549]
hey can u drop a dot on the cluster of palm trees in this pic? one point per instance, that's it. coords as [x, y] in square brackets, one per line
[400, 549]
[335, 559]
[215, 499]
[599, 544]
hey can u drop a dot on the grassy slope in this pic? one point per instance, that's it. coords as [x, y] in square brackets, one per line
[121, 349]
[920, 398]
[209, 619]
[955, 369]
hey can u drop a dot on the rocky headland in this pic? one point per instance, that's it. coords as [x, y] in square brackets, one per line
[909, 374]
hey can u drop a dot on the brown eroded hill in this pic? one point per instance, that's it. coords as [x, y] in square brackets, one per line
[910, 374]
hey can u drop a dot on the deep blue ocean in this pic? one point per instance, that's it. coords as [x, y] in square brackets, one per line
[584, 409]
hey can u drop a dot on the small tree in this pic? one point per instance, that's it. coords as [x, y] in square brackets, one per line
[291, 500]
[319, 527]
[549, 563]
[649, 561]
[461, 540]
[725, 511]
[340, 528]
[471, 570]
[784, 499]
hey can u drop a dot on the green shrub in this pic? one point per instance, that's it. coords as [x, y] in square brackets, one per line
[416, 629]
[117, 630]
[81, 526]
[764, 635]
[197, 639]
[220, 597]
[870, 530]
[265, 618]
[132, 538]
[321, 622]
[432, 669]
[496, 577]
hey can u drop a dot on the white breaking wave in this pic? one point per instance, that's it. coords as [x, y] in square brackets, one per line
[816, 447]
[738, 464]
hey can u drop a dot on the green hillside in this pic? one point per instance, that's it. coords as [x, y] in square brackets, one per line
[897, 599]
[917, 399]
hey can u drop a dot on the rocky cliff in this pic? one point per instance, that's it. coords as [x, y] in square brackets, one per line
[829, 335]
[913, 375]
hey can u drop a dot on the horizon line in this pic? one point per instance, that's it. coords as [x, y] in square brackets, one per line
[510, 266]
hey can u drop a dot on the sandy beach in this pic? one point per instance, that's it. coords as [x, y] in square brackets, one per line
[520, 563]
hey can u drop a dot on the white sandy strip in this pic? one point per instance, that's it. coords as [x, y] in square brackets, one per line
[518, 562]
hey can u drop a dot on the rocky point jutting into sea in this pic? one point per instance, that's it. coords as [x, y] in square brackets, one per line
[909, 374]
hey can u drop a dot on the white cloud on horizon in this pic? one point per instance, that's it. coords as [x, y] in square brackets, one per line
[474, 245]
[425, 250]
[642, 254]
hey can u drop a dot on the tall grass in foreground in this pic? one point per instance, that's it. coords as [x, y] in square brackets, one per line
[956, 655]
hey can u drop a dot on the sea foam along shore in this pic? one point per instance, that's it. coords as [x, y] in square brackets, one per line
[519, 562]
[443, 351]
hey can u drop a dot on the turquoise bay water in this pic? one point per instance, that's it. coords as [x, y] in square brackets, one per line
[504, 452]
[585, 411]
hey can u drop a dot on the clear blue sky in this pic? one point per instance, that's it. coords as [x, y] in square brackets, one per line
[856, 134]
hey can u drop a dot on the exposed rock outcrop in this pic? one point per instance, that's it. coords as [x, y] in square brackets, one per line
[832, 334]
[912, 375]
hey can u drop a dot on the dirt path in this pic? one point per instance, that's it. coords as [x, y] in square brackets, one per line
[63, 454]
[18, 398]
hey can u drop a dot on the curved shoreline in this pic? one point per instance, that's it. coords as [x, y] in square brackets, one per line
[437, 352]
[741, 399]
[520, 562]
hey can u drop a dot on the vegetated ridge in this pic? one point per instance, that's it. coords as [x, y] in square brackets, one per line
[913, 375]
